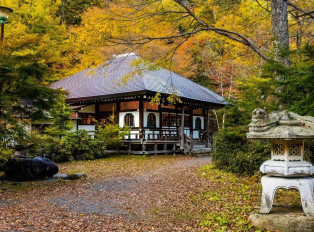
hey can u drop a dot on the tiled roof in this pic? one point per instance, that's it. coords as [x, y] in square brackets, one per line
[108, 80]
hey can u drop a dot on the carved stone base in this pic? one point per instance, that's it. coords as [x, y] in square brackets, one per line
[304, 185]
[288, 169]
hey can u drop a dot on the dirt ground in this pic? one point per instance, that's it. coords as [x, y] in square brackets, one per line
[151, 194]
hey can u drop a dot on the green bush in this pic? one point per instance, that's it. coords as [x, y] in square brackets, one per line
[77, 145]
[309, 151]
[5, 154]
[235, 153]
[42, 143]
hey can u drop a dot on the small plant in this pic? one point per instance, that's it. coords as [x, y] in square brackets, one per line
[5, 154]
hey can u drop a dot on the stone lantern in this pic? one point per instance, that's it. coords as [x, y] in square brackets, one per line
[286, 168]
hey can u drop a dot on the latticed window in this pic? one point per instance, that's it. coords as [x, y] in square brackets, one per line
[105, 117]
[129, 120]
[165, 120]
[198, 123]
[86, 119]
[279, 149]
[186, 121]
[294, 149]
[151, 120]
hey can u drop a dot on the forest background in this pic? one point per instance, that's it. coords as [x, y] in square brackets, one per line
[47, 40]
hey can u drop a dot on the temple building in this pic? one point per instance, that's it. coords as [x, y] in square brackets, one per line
[125, 88]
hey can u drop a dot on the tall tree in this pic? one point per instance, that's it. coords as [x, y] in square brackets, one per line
[193, 17]
[280, 30]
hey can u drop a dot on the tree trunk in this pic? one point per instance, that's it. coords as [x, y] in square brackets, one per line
[280, 30]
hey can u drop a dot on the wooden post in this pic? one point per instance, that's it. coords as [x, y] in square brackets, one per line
[160, 121]
[207, 124]
[207, 129]
[141, 118]
[129, 148]
[182, 128]
[191, 122]
[191, 129]
[97, 111]
[117, 111]
[2, 33]
[177, 126]
[143, 148]
[155, 148]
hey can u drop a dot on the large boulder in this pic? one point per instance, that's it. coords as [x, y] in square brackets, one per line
[27, 169]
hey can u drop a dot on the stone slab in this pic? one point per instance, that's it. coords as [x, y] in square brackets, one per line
[74, 176]
[284, 219]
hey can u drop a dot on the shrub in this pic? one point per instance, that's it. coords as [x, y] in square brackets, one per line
[111, 134]
[309, 151]
[5, 154]
[235, 153]
[43, 143]
[77, 145]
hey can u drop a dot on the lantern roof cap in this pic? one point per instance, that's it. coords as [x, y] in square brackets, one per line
[280, 125]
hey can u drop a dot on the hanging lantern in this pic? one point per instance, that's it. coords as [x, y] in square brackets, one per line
[4, 13]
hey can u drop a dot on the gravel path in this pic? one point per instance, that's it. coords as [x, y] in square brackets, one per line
[136, 195]
[155, 200]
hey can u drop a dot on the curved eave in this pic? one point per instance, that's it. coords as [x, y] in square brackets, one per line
[147, 94]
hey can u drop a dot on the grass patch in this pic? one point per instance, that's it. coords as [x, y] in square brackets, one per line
[232, 198]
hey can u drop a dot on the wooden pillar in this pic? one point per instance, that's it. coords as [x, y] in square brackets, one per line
[143, 149]
[141, 112]
[129, 148]
[209, 140]
[177, 126]
[191, 122]
[155, 148]
[207, 124]
[182, 127]
[160, 121]
[97, 111]
[117, 111]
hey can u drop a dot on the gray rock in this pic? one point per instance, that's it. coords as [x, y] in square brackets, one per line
[76, 176]
[281, 220]
[28, 169]
[60, 176]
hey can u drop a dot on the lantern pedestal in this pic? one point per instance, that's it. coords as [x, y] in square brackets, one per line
[287, 167]
[305, 186]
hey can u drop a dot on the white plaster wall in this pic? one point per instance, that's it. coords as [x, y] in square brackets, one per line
[88, 128]
[196, 133]
[133, 135]
[202, 121]
[88, 109]
[136, 118]
[74, 124]
[146, 113]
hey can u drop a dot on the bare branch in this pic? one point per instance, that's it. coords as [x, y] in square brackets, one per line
[257, 1]
[305, 13]
[230, 34]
